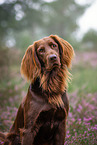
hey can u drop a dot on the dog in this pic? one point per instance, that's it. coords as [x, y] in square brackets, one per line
[41, 117]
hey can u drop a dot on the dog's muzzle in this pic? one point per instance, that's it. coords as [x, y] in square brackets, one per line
[53, 61]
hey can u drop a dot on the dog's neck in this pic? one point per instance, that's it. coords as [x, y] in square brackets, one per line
[55, 81]
[51, 86]
[36, 86]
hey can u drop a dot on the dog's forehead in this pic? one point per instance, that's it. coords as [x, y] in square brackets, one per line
[44, 41]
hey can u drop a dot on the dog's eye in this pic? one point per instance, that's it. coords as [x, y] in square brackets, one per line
[41, 50]
[54, 45]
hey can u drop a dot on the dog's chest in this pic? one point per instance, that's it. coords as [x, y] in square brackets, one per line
[52, 115]
[50, 121]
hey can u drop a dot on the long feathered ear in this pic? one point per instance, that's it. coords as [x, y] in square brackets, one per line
[66, 50]
[30, 64]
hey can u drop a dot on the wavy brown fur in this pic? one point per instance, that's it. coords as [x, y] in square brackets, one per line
[55, 82]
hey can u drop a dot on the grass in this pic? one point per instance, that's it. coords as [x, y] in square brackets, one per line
[82, 119]
[85, 79]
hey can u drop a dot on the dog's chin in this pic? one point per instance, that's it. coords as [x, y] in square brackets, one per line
[54, 67]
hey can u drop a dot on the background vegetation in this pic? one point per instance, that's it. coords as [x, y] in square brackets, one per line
[24, 21]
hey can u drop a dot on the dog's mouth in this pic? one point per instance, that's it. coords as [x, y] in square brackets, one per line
[53, 67]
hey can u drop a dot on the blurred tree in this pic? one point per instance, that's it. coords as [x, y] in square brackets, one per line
[18, 19]
[18, 15]
[61, 17]
[90, 39]
[23, 21]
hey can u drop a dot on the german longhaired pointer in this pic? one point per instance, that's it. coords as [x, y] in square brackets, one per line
[41, 117]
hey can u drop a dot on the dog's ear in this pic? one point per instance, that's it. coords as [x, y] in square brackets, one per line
[66, 50]
[30, 64]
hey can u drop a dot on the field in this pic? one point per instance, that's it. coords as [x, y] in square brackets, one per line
[82, 119]
[82, 92]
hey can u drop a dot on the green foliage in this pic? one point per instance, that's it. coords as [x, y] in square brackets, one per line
[61, 17]
[85, 79]
[16, 16]
[25, 40]
[30, 20]
[90, 39]
[8, 59]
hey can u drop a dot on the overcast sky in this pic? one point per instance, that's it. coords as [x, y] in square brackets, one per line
[89, 18]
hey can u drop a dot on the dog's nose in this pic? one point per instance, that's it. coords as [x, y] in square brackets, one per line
[52, 57]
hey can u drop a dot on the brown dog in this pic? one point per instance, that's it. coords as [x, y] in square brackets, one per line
[41, 118]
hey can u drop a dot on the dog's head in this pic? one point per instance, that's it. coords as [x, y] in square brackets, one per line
[47, 51]
[45, 55]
